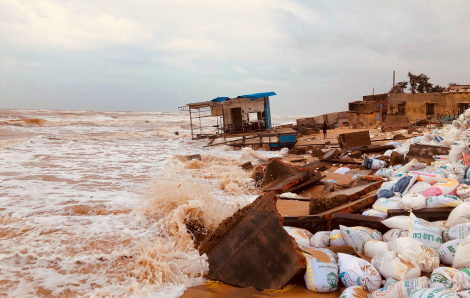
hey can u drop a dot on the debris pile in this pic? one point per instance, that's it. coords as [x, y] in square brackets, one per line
[390, 220]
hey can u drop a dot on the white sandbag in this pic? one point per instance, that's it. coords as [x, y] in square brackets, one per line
[450, 278]
[402, 288]
[322, 271]
[416, 253]
[301, 236]
[427, 234]
[419, 187]
[384, 204]
[434, 293]
[464, 294]
[401, 222]
[336, 239]
[430, 178]
[463, 191]
[358, 236]
[455, 153]
[412, 202]
[377, 213]
[358, 272]
[374, 247]
[460, 215]
[355, 292]
[320, 239]
[462, 255]
[393, 234]
[460, 231]
[447, 251]
[443, 201]
[391, 264]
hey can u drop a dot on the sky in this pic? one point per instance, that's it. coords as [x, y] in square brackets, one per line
[144, 55]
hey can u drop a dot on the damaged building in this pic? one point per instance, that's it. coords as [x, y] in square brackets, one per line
[245, 113]
[368, 112]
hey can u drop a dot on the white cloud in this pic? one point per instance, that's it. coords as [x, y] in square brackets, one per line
[239, 69]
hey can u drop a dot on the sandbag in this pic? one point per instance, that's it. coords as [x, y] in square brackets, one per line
[462, 255]
[402, 288]
[320, 239]
[427, 234]
[460, 215]
[391, 264]
[358, 236]
[393, 234]
[404, 184]
[446, 187]
[427, 177]
[450, 278]
[419, 187]
[384, 193]
[355, 292]
[384, 204]
[301, 236]
[460, 231]
[447, 251]
[443, 201]
[464, 294]
[411, 166]
[401, 222]
[377, 213]
[321, 275]
[336, 239]
[358, 272]
[373, 164]
[463, 191]
[455, 153]
[388, 185]
[433, 293]
[374, 247]
[411, 202]
[416, 253]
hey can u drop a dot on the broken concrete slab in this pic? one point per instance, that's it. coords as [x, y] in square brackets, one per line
[252, 249]
[247, 166]
[424, 153]
[314, 178]
[356, 154]
[350, 220]
[429, 214]
[333, 153]
[340, 197]
[311, 223]
[365, 201]
[375, 148]
[352, 139]
[317, 152]
[280, 176]
[397, 158]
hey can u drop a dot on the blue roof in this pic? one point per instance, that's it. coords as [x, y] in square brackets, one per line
[250, 96]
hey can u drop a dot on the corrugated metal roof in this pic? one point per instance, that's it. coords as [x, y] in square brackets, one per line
[250, 96]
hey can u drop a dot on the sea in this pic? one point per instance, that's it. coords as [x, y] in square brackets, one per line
[95, 204]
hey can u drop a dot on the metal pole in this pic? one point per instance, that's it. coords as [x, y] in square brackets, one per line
[191, 122]
[200, 124]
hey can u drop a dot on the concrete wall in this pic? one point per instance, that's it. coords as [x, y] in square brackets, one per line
[364, 120]
[247, 106]
[376, 97]
[415, 104]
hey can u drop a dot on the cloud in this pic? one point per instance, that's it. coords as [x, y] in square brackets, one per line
[95, 54]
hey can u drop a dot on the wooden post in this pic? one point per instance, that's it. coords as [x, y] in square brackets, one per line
[191, 123]
[393, 78]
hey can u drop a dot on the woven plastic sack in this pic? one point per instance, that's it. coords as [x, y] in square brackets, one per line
[377, 213]
[358, 272]
[321, 275]
[446, 187]
[463, 191]
[462, 255]
[427, 234]
[402, 288]
[385, 204]
[384, 193]
[358, 236]
[388, 185]
[301, 236]
[443, 201]
[433, 293]
[374, 247]
[391, 264]
[416, 253]
[413, 201]
[450, 278]
[393, 234]
[355, 292]
[419, 187]
[447, 251]
[320, 239]
[427, 177]
[336, 239]
[404, 184]
[413, 165]
[460, 231]
[460, 215]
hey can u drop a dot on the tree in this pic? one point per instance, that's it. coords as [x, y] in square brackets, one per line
[403, 85]
[420, 84]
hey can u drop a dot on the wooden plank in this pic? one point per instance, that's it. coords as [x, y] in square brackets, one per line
[429, 214]
[352, 207]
